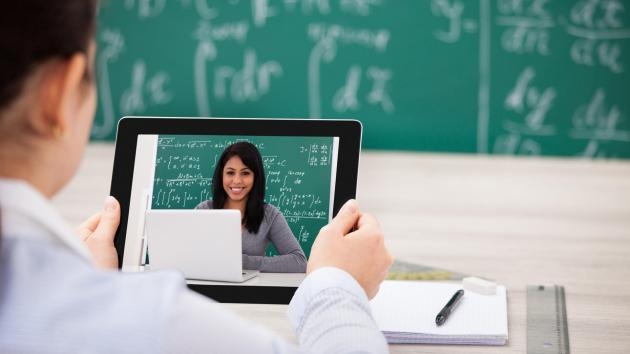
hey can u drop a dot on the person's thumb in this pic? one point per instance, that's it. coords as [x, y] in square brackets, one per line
[346, 218]
[110, 218]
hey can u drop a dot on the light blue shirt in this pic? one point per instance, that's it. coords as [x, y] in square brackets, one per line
[54, 300]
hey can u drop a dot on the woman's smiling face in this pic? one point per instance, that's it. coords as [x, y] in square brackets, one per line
[238, 179]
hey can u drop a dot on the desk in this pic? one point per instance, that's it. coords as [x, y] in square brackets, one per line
[518, 221]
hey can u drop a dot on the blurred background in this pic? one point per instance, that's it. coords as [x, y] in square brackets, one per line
[547, 78]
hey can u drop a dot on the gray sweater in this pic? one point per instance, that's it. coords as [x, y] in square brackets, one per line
[274, 228]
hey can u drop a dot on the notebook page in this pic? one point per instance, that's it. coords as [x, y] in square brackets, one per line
[411, 306]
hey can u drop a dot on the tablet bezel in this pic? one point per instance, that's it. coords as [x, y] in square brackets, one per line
[129, 128]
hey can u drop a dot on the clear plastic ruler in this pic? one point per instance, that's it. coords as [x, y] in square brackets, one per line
[547, 329]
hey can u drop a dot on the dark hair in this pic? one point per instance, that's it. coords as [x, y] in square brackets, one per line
[33, 31]
[254, 209]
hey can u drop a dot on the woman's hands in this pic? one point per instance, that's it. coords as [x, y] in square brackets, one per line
[97, 232]
[360, 252]
[353, 241]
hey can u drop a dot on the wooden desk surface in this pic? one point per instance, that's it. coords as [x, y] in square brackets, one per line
[518, 221]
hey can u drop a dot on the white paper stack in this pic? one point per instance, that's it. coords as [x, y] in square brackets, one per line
[405, 311]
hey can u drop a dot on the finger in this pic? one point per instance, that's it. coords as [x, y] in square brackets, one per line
[374, 291]
[366, 222]
[346, 218]
[87, 227]
[91, 222]
[110, 218]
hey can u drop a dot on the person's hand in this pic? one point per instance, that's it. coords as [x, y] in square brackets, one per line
[361, 252]
[97, 232]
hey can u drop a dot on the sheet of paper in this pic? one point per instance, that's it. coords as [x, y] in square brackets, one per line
[411, 307]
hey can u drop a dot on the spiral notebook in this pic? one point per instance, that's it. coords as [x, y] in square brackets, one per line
[405, 312]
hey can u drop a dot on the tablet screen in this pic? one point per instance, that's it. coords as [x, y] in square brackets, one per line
[309, 170]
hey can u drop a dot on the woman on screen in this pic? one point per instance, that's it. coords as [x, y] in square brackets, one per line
[239, 183]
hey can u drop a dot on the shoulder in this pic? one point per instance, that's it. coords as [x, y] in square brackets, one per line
[206, 204]
[270, 208]
[271, 211]
[273, 215]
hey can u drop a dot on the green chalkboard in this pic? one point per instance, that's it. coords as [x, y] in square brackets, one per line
[298, 176]
[526, 77]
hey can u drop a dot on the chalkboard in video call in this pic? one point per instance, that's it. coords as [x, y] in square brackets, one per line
[297, 176]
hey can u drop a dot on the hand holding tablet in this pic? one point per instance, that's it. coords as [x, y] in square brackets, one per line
[360, 252]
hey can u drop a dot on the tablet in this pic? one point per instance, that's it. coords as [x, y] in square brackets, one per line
[309, 169]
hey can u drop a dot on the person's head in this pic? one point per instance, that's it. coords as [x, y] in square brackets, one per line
[240, 177]
[47, 90]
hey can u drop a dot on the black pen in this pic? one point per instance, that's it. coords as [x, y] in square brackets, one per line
[442, 316]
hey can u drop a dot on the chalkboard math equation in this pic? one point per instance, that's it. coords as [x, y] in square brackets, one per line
[527, 77]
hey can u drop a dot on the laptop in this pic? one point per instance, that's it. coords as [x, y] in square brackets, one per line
[202, 244]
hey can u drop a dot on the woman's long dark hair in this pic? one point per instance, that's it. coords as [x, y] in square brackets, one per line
[254, 209]
[33, 31]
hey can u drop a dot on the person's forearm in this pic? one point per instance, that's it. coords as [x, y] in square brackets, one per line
[331, 314]
[354, 330]
[286, 263]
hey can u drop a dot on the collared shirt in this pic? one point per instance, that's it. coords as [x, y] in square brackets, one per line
[54, 300]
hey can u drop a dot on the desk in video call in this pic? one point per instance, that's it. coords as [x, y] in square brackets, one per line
[262, 279]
